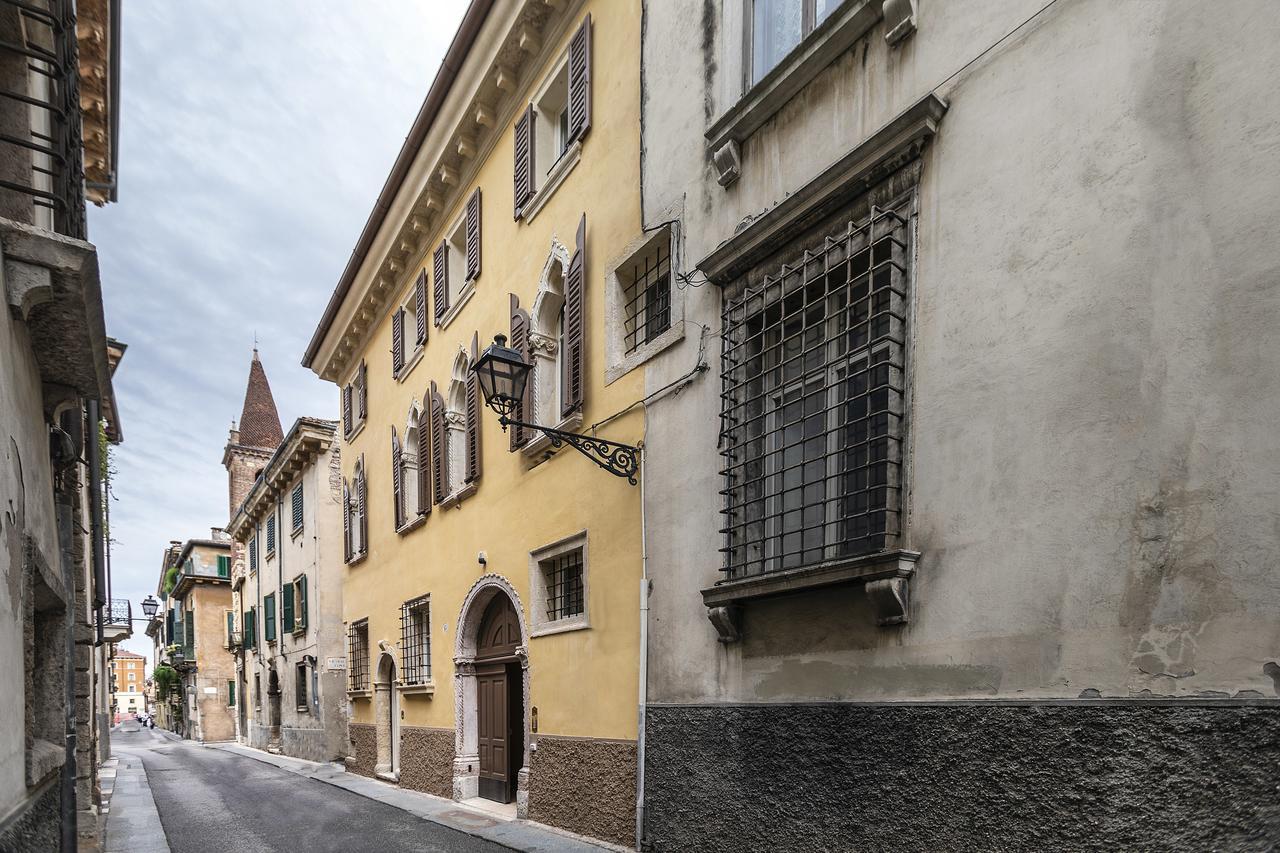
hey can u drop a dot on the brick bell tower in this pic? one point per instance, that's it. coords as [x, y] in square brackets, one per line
[258, 435]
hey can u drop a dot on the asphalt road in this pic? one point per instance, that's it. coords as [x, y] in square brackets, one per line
[215, 801]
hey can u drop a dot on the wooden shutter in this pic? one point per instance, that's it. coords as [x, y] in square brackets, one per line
[362, 506]
[302, 601]
[346, 410]
[473, 415]
[420, 306]
[519, 341]
[571, 360]
[286, 610]
[424, 458]
[397, 474]
[439, 455]
[524, 165]
[473, 235]
[346, 520]
[580, 81]
[362, 377]
[440, 269]
[397, 341]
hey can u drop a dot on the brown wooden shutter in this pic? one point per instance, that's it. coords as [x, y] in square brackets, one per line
[473, 415]
[362, 375]
[520, 342]
[346, 520]
[440, 269]
[397, 341]
[439, 454]
[524, 165]
[420, 306]
[362, 499]
[473, 235]
[397, 477]
[346, 409]
[580, 81]
[571, 360]
[424, 458]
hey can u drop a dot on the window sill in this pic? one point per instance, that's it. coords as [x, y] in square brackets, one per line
[298, 632]
[355, 430]
[468, 290]
[561, 626]
[425, 689]
[411, 363]
[643, 353]
[408, 526]
[357, 558]
[553, 180]
[294, 534]
[541, 444]
[359, 694]
[459, 496]
[787, 79]
[883, 574]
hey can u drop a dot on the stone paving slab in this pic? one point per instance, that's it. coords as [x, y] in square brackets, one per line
[514, 834]
[133, 825]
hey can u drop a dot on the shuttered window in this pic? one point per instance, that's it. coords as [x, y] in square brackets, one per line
[295, 508]
[300, 608]
[250, 629]
[420, 307]
[346, 410]
[424, 460]
[286, 609]
[269, 622]
[362, 392]
[519, 341]
[524, 165]
[440, 270]
[473, 464]
[347, 550]
[231, 627]
[271, 534]
[253, 554]
[439, 450]
[572, 392]
[397, 341]
[224, 566]
[580, 81]
[231, 693]
[397, 478]
[362, 505]
[473, 235]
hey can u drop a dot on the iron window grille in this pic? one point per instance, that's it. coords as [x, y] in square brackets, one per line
[295, 508]
[42, 92]
[300, 693]
[415, 639]
[563, 576]
[647, 296]
[358, 655]
[812, 406]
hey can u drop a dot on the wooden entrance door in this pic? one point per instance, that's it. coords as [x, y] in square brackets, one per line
[499, 701]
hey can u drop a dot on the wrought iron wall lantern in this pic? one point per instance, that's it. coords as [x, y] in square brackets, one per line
[503, 373]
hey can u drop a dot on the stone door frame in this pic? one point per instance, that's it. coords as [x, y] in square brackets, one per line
[386, 715]
[466, 747]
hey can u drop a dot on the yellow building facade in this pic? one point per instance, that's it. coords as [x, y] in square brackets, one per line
[492, 591]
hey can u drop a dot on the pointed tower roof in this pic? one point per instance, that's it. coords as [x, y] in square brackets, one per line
[259, 422]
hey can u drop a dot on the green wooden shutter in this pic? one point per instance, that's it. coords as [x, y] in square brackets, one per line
[231, 625]
[250, 629]
[224, 566]
[231, 693]
[190, 625]
[286, 609]
[269, 605]
[302, 602]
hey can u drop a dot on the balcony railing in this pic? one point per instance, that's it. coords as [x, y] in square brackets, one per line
[40, 134]
[117, 620]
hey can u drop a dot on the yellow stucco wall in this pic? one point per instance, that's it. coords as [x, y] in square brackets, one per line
[583, 683]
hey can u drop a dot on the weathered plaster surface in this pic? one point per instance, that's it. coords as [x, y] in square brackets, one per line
[364, 749]
[426, 760]
[1094, 360]
[585, 785]
[963, 776]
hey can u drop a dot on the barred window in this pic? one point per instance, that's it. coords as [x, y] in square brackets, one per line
[271, 535]
[812, 403]
[358, 655]
[295, 508]
[646, 289]
[415, 639]
[562, 576]
[300, 691]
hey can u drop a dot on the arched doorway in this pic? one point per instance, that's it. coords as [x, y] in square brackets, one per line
[386, 713]
[491, 694]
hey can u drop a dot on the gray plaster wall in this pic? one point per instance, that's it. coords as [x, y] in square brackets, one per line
[1094, 355]
[963, 776]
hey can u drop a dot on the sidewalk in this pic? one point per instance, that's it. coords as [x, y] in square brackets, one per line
[133, 824]
[512, 834]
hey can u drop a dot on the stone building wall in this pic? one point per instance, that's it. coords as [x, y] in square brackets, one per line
[426, 760]
[585, 785]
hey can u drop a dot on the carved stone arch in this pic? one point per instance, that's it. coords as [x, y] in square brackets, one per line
[466, 764]
[544, 334]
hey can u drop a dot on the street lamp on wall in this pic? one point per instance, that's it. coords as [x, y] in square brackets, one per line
[503, 373]
[150, 606]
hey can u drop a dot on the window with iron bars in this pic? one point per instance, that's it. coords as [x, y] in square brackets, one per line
[358, 655]
[812, 403]
[563, 578]
[415, 639]
[646, 293]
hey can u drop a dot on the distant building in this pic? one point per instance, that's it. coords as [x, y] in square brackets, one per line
[128, 681]
[289, 599]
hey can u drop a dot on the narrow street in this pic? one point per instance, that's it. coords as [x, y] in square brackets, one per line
[215, 801]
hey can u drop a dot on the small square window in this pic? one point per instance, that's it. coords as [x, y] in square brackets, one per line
[646, 293]
[560, 589]
[563, 576]
[644, 308]
[415, 635]
[358, 655]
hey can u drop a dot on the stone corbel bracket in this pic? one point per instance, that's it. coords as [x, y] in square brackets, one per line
[899, 19]
[885, 576]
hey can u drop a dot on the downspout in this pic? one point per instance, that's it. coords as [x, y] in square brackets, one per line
[643, 697]
[94, 454]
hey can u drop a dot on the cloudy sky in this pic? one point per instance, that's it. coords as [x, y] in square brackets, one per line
[254, 139]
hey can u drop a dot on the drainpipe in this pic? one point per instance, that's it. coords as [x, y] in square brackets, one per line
[94, 456]
[643, 698]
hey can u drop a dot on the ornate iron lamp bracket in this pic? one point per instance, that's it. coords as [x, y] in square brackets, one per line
[621, 460]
